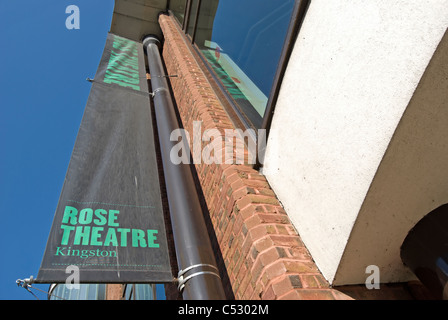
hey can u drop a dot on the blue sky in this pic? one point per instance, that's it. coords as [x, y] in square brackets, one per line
[43, 92]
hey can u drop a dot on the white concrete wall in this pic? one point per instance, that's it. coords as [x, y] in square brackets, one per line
[352, 74]
[410, 182]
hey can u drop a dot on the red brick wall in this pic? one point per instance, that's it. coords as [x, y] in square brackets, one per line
[260, 254]
[114, 292]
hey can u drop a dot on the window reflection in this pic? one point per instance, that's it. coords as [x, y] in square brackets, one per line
[192, 17]
[140, 292]
[178, 9]
[86, 291]
[90, 291]
[242, 41]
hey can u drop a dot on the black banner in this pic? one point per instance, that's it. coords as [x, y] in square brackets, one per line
[109, 220]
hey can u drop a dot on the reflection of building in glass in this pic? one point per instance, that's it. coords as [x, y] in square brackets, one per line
[139, 291]
[90, 291]
[236, 82]
[86, 291]
[243, 51]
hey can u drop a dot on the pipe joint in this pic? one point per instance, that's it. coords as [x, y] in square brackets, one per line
[151, 39]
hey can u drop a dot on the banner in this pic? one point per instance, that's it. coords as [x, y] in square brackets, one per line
[109, 221]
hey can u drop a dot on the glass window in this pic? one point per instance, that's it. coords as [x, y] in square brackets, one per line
[84, 292]
[178, 9]
[89, 291]
[144, 292]
[242, 42]
[128, 291]
[101, 292]
[140, 292]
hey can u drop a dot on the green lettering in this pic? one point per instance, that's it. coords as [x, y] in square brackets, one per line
[138, 238]
[112, 218]
[120, 77]
[124, 236]
[101, 220]
[125, 67]
[95, 235]
[119, 43]
[85, 216]
[124, 58]
[119, 70]
[113, 254]
[122, 42]
[59, 251]
[130, 50]
[152, 238]
[84, 254]
[111, 238]
[82, 234]
[70, 215]
[121, 83]
[66, 234]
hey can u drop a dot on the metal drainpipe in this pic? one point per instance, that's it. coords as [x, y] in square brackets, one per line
[198, 273]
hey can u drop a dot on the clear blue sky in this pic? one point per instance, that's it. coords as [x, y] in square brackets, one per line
[43, 92]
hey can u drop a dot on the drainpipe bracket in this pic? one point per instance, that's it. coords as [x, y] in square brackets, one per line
[152, 94]
[183, 280]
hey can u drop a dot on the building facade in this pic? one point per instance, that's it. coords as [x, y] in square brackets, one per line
[340, 111]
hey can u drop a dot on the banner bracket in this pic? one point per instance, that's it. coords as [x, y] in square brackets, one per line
[26, 284]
